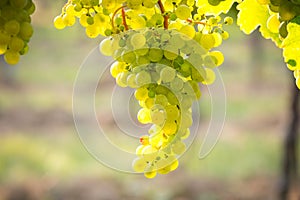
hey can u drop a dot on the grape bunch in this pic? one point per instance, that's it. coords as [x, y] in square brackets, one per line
[162, 49]
[283, 11]
[15, 28]
[165, 68]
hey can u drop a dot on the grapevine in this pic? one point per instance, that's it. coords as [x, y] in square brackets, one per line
[15, 28]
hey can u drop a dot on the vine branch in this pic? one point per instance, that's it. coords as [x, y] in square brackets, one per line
[163, 11]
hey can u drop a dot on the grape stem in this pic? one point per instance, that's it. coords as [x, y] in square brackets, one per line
[191, 21]
[123, 17]
[163, 11]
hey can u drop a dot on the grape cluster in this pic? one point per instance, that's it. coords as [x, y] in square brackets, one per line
[93, 16]
[112, 17]
[165, 67]
[283, 12]
[162, 50]
[15, 28]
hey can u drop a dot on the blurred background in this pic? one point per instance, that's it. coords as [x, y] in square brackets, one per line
[42, 157]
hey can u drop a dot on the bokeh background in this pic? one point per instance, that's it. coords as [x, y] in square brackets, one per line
[42, 157]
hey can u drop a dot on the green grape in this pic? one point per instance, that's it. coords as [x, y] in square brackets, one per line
[149, 153]
[170, 55]
[142, 60]
[217, 57]
[4, 38]
[186, 102]
[283, 29]
[273, 24]
[188, 30]
[158, 116]
[275, 2]
[178, 148]
[207, 41]
[228, 20]
[19, 4]
[156, 19]
[131, 81]
[149, 103]
[115, 69]
[143, 78]
[59, 23]
[225, 35]
[12, 27]
[83, 20]
[138, 40]
[26, 31]
[144, 116]
[30, 7]
[155, 55]
[172, 112]
[210, 77]
[105, 47]
[11, 57]
[69, 20]
[172, 98]
[121, 79]
[218, 39]
[183, 12]
[90, 20]
[286, 11]
[170, 127]
[92, 31]
[16, 44]
[141, 94]
[129, 57]
[176, 84]
[167, 74]
[161, 100]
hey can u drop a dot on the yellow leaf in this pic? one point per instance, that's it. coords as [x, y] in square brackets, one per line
[251, 15]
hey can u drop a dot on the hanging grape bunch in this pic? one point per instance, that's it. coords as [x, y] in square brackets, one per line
[15, 28]
[162, 49]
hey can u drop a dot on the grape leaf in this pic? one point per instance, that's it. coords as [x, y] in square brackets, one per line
[251, 15]
[291, 47]
[223, 7]
[248, 21]
[266, 33]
